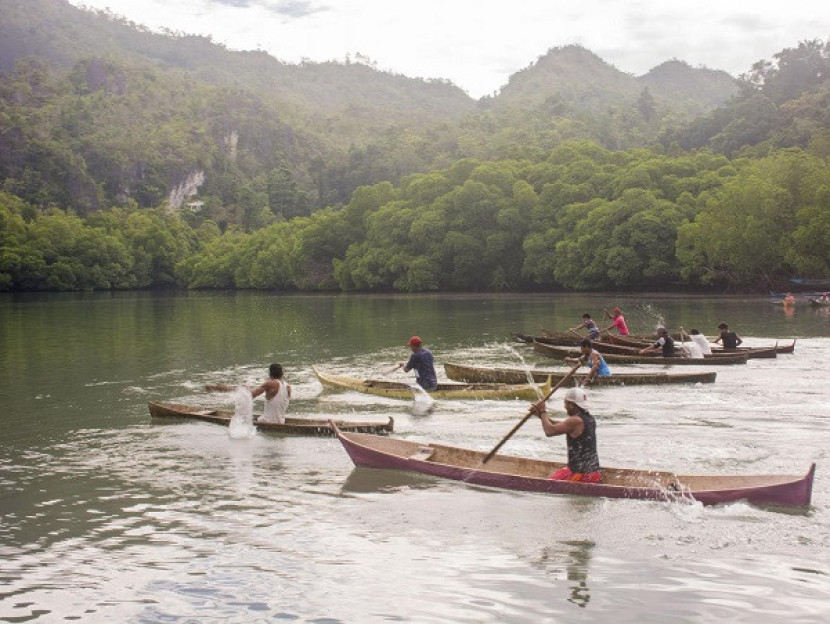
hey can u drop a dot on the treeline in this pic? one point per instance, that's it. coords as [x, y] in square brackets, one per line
[583, 218]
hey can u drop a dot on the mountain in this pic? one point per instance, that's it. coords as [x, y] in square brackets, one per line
[578, 76]
[694, 90]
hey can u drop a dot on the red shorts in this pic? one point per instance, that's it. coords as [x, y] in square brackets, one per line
[565, 474]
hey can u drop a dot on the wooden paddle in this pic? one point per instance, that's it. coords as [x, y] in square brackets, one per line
[391, 369]
[529, 414]
[220, 388]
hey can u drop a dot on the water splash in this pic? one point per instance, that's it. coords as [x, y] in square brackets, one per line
[422, 403]
[242, 424]
[524, 366]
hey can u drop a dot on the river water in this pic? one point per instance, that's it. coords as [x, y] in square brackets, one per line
[107, 516]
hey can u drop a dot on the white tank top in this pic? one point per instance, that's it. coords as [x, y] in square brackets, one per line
[277, 406]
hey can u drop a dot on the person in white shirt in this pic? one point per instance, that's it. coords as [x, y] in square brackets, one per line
[699, 340]
[277, 394]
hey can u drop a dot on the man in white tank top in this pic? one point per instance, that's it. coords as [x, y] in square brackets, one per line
[277, 394]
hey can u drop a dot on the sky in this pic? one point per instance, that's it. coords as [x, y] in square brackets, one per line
[478, 44]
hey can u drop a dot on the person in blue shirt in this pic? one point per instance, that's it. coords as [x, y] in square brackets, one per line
[589, 324]
[421, 360]
[593, 359]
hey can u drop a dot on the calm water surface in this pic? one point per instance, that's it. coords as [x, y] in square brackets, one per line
[108, 516]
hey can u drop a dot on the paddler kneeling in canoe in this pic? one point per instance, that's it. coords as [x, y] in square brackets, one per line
[581, 430]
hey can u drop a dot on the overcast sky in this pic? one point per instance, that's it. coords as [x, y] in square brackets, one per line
[478, 44]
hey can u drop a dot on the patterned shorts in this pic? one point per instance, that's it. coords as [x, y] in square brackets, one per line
[565, 474]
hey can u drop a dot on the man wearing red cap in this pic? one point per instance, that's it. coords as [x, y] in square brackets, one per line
[421, 360]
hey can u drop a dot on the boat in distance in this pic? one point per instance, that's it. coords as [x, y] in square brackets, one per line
[481, 374]
[445, 390]
[531, 475]
[293, 426]
[625, 345]
[754, 352]
[558, 352]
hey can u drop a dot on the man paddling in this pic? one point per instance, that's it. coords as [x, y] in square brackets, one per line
[277, 394]
[730, 339]
[580, 428]
[421, 360]
[664, 343]
[589, 324]
[592, 358]
[617, 321]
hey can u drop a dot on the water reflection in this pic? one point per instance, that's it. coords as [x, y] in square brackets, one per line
[574, 557]
[380, 481]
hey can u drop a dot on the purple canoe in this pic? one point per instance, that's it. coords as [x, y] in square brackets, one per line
[517, 473]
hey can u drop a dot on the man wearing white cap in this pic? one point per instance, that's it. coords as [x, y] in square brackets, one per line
[580, 428]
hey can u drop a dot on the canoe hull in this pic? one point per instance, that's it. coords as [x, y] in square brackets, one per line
[364, 451]
[291, 426]
[478, 374]
[454, 390]
[719, 359]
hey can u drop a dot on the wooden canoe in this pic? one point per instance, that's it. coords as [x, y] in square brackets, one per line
[479, 374]
[754, 352]
[568, 338]
[445, 390]
[531, 475]
[294, 426]
[554, 351]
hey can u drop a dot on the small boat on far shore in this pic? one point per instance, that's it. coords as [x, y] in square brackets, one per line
[480, 374]
[292, 426]
[532, 475]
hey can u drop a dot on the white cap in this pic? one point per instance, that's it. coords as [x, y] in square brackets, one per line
[577, 395]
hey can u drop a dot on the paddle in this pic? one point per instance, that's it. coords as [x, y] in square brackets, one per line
[391, 369]
[220, 388]
[528, 415]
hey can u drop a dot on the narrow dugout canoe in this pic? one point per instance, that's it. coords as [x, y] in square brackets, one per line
[479, 374]
[530, 475]
[568, 338]
[446, 390]
[554, 351]
[293, 426]
[754, 352]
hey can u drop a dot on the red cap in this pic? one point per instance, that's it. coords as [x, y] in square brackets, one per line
[413, 342]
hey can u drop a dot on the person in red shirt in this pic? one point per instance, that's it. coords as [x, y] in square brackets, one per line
[618, 322]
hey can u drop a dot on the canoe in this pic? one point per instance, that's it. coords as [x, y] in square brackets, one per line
[479, 374]
[566, 338]
[754, 352]
[554, 351]
[819, 304]
[445, 390]
[294, 426]
[530, 475]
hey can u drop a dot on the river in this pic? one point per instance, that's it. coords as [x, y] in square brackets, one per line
[108, 516]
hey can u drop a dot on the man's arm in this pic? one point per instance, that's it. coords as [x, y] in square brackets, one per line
[594, 368]
[555, 427]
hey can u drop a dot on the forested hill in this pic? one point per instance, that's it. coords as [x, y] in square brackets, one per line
[575, 75]
[319, 129]
[130, 159]
[61, 34]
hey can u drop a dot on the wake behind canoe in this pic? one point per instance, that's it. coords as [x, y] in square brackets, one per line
[479, 374]
[293, 426]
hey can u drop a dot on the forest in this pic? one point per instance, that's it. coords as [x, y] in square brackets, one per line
[119, 171]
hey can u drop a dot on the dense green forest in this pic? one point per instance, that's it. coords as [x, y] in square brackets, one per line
[131, 159]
